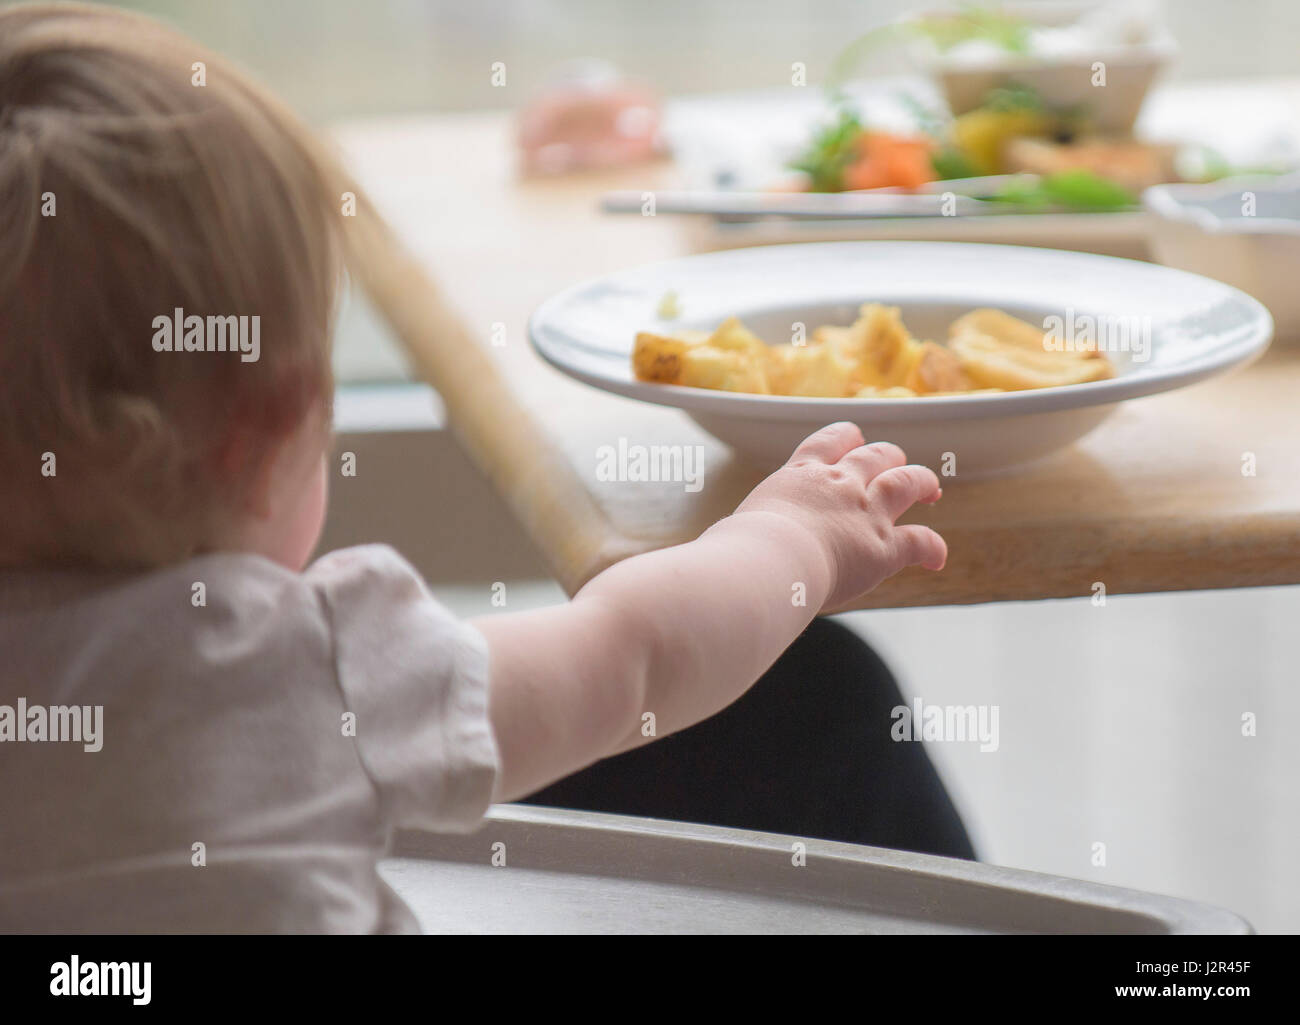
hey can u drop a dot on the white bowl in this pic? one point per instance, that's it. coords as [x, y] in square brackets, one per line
[1205, 229]
[1066, 79]
[1198, 328]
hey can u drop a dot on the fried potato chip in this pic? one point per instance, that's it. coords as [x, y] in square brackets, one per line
[936, 370]
[1010, 331]
[992, 363]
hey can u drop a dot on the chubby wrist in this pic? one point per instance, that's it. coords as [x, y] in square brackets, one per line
[773, 531]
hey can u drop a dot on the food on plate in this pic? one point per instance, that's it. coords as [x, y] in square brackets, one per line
[1008, 113]
[999, 351]
[845, 155]
[884, 159]
[1063, 162]
[1009, 128]
[874, 357]
[1022, 95]
[1078, 190]
[1128, 163]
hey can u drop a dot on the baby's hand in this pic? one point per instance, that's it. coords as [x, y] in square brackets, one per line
[681, 632]
[848, 494]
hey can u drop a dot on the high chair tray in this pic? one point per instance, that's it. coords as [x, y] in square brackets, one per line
[561, 871]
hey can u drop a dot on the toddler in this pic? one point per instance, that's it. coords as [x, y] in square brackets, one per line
[199, 731]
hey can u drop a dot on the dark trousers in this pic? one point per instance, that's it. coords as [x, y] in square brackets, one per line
[806, 751]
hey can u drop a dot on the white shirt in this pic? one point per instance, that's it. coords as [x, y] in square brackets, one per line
[257, 748]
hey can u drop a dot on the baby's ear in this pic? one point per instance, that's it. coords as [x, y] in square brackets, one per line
[247, 460]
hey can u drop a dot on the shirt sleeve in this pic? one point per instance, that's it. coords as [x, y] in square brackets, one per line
[416, 678]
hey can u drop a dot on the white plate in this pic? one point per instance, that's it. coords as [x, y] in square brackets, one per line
[1198, 328]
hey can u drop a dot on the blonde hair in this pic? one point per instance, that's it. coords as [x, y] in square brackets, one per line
[128, 190]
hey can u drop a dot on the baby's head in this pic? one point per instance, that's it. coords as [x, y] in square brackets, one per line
[156, 208]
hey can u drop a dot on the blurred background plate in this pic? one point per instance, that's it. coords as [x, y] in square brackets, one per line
[741, 142]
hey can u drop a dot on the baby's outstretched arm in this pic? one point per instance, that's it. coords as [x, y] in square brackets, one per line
[682, 632]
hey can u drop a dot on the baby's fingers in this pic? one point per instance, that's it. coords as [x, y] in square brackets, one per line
[920, 546]
[828, 445]
[874, 459]
[895, 491]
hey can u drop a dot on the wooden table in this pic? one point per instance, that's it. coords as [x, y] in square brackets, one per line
[1153, 500]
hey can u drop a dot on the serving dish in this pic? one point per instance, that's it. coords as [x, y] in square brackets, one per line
[1179, 328]
[1242, 231]
[1073, 38]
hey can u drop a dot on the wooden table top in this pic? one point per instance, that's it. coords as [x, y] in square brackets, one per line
[1155, 499]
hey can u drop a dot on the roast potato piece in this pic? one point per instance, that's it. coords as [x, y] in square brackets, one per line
[879, 343]
[659, 357]
[850, 347]
[733, 335]
[814, 371]
[831, 334]
[706, 366]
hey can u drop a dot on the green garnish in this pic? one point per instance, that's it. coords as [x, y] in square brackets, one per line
[1072, 190]
[953, 163]
[832, 149]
